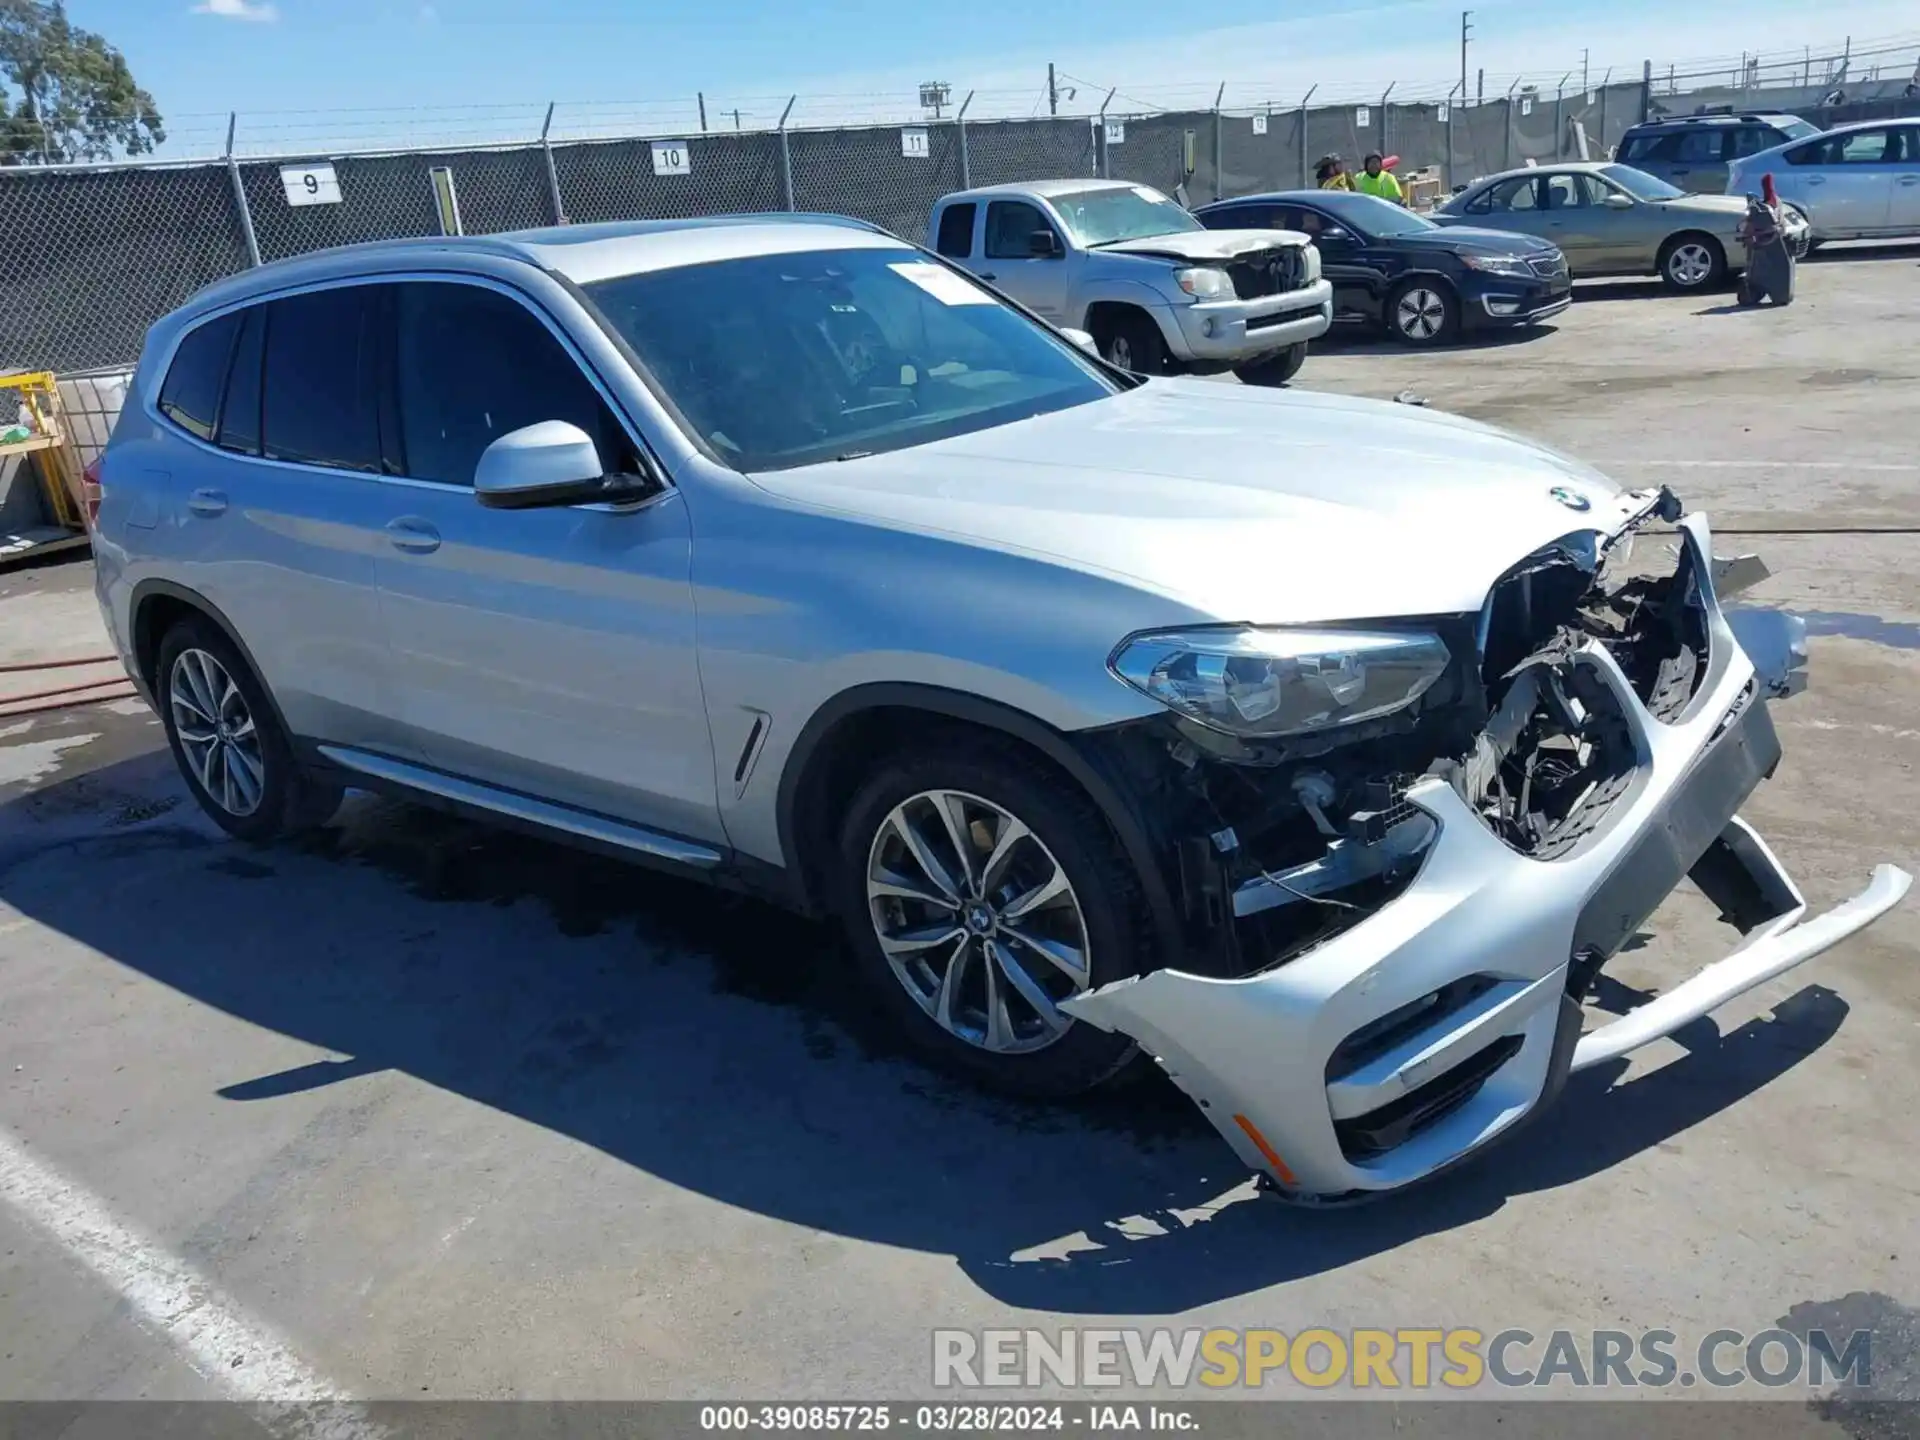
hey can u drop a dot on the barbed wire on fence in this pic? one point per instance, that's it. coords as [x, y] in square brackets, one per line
[97, 252]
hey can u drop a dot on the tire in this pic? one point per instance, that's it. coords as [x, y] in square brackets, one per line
[1274, 369]
[1423, 312]
[227, 738]
[1692, 262]
[1129, 338]
[1063, 838]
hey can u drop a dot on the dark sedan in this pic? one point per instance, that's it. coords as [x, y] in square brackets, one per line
[1422, 283]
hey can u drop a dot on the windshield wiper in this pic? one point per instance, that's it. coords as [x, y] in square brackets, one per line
[854, 455]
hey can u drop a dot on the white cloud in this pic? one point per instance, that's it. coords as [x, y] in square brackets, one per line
[261, 10]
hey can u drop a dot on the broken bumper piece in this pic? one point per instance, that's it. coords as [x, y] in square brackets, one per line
[1409, 1040]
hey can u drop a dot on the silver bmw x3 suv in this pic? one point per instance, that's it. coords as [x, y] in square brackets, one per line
[1321, 750]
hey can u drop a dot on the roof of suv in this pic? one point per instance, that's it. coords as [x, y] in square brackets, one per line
[1677, 122]
[1045, 189]
[582, 253]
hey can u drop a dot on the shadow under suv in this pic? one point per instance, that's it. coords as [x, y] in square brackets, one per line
[1321, 750]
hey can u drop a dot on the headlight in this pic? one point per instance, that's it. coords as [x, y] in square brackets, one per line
[1204, 283]
[1271, 682]
[1497, 264]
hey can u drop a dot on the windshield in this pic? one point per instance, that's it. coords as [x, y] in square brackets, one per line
[783, 360]
[1641, 185]
[1371, 215]
[1100, 217]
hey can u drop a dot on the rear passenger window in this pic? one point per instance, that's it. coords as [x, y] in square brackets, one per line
[472, 365]
[1699, 147]
[240, 411]
[956, 231]
[320, 372]
[1636, 148]
[190, 395]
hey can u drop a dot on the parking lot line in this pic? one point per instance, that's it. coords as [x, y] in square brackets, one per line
[221, 1342]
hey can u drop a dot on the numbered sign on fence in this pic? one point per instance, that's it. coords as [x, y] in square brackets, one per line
[671, 157]
[1116, 132]
[310, 184]
[1526, 104]
[913, 144]
[1259, 124]
[1442, 113]
[1362, 117]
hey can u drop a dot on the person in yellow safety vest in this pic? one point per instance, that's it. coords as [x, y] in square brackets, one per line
[1331, 174]
[1375, 180]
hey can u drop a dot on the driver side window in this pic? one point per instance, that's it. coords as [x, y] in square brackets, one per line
[1010, 227]
[472, 365]
[1573, 192]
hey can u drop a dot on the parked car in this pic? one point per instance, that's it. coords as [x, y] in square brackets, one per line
[1155, 289]
[1852, 182]
[1614, 220]
[1321, 749]
[1422, 283]
[1694, 152]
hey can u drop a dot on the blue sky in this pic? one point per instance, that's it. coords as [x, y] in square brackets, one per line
[281, 62]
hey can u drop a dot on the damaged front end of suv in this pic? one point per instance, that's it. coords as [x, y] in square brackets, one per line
[1405, 848]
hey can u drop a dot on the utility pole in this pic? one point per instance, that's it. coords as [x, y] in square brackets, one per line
[1465, 31]
[1053, 92]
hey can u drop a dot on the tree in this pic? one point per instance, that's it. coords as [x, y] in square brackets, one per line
[65, 93]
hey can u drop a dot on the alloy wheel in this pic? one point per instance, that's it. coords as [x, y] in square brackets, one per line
[1690, 264]
[1120, 352]
[978, 920]
[1421, 313]
[217, 732]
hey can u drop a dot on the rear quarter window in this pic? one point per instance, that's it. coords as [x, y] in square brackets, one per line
[955, 239]
[190, 395]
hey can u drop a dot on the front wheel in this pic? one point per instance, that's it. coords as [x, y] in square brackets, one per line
[1133, 342]
[1691, 263]
[1423, 312]
[980, 891]
[1276, 369]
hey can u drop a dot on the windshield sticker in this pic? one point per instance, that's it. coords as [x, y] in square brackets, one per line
[941, 283]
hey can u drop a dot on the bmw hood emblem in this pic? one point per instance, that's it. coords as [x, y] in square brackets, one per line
[1570, 498]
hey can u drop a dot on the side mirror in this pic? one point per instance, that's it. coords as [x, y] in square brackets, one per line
[551, 463]
[1081, 338]
[1617, 202]
[1044, 245]
[1333, 232]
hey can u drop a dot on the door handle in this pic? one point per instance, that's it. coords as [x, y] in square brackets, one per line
[1816, 180]
[989, 275]
[413, 535]
[208, 502]
[1910, 179]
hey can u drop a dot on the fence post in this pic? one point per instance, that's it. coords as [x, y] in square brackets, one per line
[1220, 94]
[1506, 161]
[1381, 129]
[966, 164]
[786, 154]
[1304, 182]
[1646, 91]
[1452, 105]
[240, 195]
[1101, 134]
[553, 174]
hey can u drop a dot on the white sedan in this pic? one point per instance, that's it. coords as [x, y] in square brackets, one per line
[1853, 182]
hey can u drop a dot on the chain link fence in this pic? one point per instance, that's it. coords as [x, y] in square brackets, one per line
[95, 255]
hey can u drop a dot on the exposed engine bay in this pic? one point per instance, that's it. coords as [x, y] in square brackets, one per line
[1521, 727]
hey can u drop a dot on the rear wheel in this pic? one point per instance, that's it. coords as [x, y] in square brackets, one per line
[1130, 339]
[1693, 262]
[1275, 369]
[1423, 312]
[980, 891]
[227, 739]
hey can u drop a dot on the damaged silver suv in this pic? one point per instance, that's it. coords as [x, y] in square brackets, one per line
[1321, 751]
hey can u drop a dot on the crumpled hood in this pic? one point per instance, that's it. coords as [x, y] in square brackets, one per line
[1205, 244]
[1245, 504]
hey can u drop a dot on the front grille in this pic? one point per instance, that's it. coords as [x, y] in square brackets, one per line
[1550, 267]
[1267, 272]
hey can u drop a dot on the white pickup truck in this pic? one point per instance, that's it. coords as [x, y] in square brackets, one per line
[1133, 269]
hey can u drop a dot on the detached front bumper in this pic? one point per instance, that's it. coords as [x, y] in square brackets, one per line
[1420, 1034]
[1231, 332]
